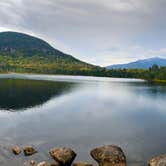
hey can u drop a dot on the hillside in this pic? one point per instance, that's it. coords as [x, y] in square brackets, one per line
[140, 64]
[24, 53]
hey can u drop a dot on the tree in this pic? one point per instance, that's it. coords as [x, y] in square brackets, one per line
[155, 67]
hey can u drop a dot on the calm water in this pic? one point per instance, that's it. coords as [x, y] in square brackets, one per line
[81, 113]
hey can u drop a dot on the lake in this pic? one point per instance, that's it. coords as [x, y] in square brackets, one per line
[49, 111]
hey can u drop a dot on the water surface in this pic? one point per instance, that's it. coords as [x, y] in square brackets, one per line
[81, 113]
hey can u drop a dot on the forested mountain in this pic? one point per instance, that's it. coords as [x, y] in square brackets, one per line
[140, 64]
[16, 44]
[24, 53]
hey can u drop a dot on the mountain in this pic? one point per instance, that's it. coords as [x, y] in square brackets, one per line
[140, 64]
[14, 43]
[24, 53]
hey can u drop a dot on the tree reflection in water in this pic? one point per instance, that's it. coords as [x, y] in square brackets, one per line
[18, 94]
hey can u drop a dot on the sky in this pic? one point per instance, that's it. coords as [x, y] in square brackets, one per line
[101, 32]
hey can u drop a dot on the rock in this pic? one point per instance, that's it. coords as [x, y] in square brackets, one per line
[82, 164]
[28, 151]
[64, 156]
[32, 162]
[26, 163]
[43, 163]
[158, 161]
[5, 151]
[16, 150]
[109, 155]
[55, 164]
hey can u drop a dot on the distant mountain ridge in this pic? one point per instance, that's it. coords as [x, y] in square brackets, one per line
[140, 64]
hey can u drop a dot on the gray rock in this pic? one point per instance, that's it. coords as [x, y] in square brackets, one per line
[64, 156]
[109, 155]
[158, 161]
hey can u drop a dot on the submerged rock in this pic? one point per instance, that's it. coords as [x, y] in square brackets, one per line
[82, 164]
[158, 161]
[16, 150]
[43, 163]
[32, 162]
[109, 155]
[64, 156]
[28, 151]
[55, 164]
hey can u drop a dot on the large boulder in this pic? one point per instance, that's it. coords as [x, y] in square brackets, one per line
[158, 161]
[109, 155]
[64, 156]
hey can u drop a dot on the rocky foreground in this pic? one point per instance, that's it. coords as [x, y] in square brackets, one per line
[108, 155]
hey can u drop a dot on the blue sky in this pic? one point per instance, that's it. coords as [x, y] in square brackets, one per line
[101, 32]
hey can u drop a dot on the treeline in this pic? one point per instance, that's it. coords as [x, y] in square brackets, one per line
[154, 73]
[45, 65]
[48, 65]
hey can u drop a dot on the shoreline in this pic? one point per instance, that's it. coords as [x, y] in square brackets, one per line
[106, 155]
[48, 74]
[155, 81]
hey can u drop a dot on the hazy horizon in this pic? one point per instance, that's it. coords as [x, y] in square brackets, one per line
[101, 33]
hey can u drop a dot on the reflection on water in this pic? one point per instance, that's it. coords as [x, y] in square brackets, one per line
[16, 94]
[83, 115]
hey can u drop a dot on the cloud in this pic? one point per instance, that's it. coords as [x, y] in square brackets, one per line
[88, 29]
